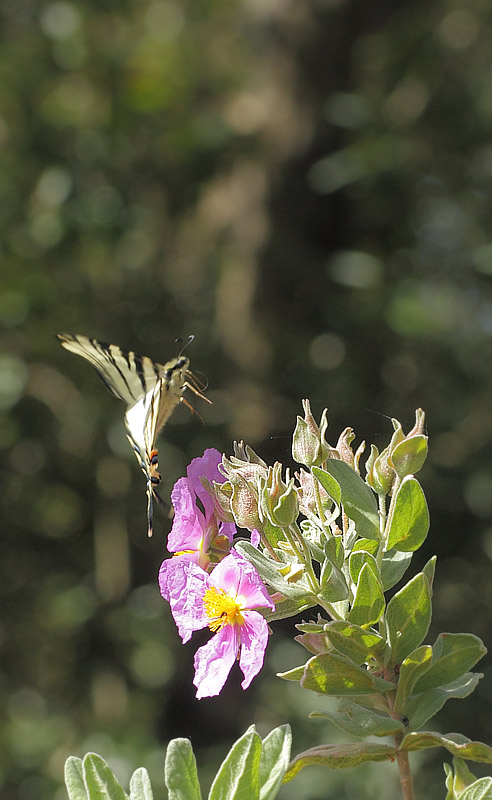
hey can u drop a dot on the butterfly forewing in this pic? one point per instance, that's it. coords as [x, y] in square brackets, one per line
[125, 373]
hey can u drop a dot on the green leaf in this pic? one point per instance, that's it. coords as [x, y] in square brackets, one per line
[239, 775]
[333, 584]
[369, 604]
[453, 655]
[140, 787]
[421, 707]
[99, 779]
[429, 572]
[455, 743]
[409, 524]
[311, 627]
[458, 778]
[274, 762]
[357, 559]
[408, 457]
[74, 779]
[359, 721]
[314, 643]
[334, 551]
[369, 545]
[180, 771]
[334, 675]
[352, 641]
[285, 608]
[480, 790]
[395, 564]
[408, 617]
[449, 782]
[294, 674]
[412, 667]
[331, 485]
[340, 756]
[269, 571]
[359, 502]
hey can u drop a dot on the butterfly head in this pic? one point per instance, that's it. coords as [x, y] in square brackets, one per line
[175, 373]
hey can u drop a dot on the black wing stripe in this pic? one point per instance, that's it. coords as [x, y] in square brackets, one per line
[126, 374]
[139, 368]
[106, 351]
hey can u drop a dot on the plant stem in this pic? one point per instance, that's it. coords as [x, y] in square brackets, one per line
[406, 779]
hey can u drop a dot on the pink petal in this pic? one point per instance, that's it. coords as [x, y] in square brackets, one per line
[188, 522]
[254, 639]
[205, 466]
[214, 661]
[228, 529]
[255, 538]
[238, 577]
[167, 569]
[185, 584]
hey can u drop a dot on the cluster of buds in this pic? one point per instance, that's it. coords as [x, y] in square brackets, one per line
[405, 455]
[260, 498]
[254, 495]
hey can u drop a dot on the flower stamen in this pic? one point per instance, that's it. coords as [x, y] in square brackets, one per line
[221, 609]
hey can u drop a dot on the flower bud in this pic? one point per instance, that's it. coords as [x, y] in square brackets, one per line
[307, 496]
[252, 471]
[243, 452]
[408, 453]
[344, 448]
[308, 442]
[279, 503]
[221, 494]
[244, 503]
[380, 475]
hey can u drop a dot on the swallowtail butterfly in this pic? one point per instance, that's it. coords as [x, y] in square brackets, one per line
[151, 391]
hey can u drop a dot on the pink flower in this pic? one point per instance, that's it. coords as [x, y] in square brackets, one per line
[196, 535]
[223, 601]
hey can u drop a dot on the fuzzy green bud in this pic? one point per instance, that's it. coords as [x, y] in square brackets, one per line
[308, 442]
[221, 494]
[408, 456]
[279, 501]
[344, 447]
[380, 475]
[243, 452]
[244, 503]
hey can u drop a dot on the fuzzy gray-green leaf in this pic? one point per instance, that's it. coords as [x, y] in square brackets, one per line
[358, 500]
[180, 771]
[238, 777]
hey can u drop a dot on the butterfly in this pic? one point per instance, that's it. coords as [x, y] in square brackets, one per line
[151, 392]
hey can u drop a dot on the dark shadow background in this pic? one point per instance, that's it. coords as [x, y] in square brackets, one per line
[305, 187]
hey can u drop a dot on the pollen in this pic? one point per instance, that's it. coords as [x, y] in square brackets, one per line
[221, 609]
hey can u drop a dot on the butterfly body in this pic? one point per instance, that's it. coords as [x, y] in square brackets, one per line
[150, 390]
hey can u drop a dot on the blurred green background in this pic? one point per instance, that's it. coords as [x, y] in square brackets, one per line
[305, 186]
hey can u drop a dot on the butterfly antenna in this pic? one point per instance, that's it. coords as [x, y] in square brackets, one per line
[191, 338]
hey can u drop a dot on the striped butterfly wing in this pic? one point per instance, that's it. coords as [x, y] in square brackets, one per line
[151, 391]
[146, 418]
[125, 373]
[141, 430]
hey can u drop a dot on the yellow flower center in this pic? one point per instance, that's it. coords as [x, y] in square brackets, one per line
[222, 609]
